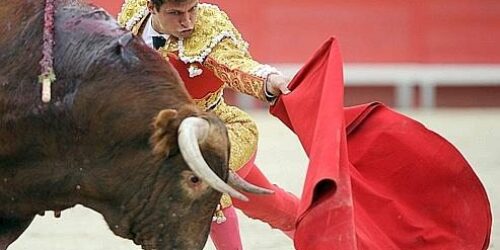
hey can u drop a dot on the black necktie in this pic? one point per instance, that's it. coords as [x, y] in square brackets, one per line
[158, 42]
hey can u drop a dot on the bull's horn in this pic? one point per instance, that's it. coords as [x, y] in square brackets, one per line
[191, 131]
[239, 183]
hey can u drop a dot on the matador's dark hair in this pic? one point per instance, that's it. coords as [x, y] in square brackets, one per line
[159, 3]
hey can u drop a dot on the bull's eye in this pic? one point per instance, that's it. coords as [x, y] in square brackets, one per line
[194, 179]
[193, 185]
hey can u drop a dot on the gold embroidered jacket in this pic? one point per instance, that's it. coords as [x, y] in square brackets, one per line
[215, 56]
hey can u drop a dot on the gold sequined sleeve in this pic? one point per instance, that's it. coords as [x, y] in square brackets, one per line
[220, 47]
[236, 68]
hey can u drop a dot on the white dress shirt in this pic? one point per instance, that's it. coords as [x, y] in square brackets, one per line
[149, 32]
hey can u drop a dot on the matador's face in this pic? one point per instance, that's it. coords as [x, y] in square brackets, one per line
[176, 19]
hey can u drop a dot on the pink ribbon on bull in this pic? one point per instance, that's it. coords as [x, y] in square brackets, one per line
[47, 77]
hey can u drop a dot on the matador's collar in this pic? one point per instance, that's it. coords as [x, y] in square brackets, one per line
[211, 27]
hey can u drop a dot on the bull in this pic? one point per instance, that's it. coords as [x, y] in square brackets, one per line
[120, 136]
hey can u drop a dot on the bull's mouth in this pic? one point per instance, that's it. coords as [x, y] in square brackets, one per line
[151, 245]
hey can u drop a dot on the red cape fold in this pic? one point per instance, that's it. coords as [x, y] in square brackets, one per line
[376, 179]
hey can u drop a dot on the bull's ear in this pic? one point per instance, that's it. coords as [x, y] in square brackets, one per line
[164, 135]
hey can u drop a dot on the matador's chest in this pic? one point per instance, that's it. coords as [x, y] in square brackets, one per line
[198, 79]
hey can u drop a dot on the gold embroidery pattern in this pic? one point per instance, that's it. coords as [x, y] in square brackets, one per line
[130, 8]
[229, 54]
[243, 134]
[210, 100]
[211, 27]
[237, 79]
[225, 201]
[243, 137]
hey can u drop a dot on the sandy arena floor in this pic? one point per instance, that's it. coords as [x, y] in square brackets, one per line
[475, 132]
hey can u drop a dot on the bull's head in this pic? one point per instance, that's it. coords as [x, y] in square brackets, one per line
[193, 152]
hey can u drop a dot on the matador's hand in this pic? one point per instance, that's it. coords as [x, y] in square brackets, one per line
[277, 84]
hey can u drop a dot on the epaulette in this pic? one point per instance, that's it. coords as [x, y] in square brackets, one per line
[211, 27]
[132, 12]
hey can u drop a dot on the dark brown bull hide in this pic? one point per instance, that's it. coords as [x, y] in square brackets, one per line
[93, 144]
